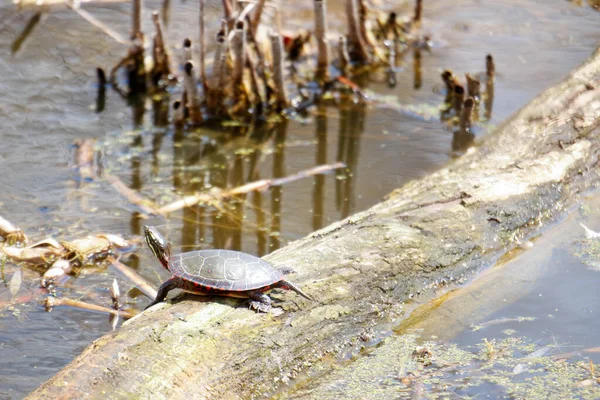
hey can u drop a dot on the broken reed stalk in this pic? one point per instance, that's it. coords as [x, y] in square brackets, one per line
[278, 56]
[459, 97]
[359, 48]
[321, 37]
[362, 22]
[134, 277]
[187, 50]
[418, 11]
[215, 96]
[466, 114]
[136, 19]
[202, 44]
[144, 205]
[490, 67]
[161, 68]
[263, 184]
[473, 87]
[258, 10]
[191, 90]
[343, 56]
[228, 12]
[52, 302]
[238, 48]
[179, 112]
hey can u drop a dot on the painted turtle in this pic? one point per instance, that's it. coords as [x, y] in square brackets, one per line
[218, 272]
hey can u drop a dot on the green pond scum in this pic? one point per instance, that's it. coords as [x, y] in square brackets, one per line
[409, 367]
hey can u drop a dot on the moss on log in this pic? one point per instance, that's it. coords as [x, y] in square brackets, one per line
[363, 269]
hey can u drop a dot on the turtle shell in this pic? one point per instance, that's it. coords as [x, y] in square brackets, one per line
[224, 270]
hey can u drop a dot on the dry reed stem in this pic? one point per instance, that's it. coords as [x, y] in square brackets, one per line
[134, 277]
[218, 195]
[466, 114]
[278, 56]
[136, 19]
[321, 37]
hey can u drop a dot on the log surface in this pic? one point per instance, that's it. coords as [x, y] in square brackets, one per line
[362, 270]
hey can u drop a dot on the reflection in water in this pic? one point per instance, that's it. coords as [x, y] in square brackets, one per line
[418, 77]
[321, 159]
[489, 97]
[352, 120]
[276, 191]
[25, 34]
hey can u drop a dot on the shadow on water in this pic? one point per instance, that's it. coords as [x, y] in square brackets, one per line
[47, 62]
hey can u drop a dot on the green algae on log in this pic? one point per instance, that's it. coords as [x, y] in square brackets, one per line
[362, 269]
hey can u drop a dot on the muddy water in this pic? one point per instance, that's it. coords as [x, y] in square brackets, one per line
[49, 101]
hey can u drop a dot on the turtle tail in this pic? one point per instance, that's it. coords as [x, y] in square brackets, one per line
[289, 285]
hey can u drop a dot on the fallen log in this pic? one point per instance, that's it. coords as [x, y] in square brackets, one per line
[362, 270]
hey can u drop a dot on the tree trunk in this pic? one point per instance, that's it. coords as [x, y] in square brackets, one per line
[426, 235]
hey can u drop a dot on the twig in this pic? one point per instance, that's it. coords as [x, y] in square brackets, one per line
[52, 302]
[145, 206]
[134, 277]
[260, 185]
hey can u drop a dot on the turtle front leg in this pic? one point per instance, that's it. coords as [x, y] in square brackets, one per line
[260, 302]
[164, 289]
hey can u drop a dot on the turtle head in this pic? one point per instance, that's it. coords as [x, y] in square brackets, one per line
[159, 246]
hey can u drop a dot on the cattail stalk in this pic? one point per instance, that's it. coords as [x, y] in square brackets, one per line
[466, 114]
[354, 35]
[278, 55]
[473, 87]
[136, 19]
[321, 36]
[343, 56]
[189, 83]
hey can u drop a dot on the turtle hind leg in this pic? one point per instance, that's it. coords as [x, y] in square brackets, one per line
[290, 286]
[260, 302]
[164, 289]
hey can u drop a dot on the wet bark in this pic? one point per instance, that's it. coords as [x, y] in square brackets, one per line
[362, 270]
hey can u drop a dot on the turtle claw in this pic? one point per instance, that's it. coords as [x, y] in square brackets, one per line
[259, 306]
[260, 302]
